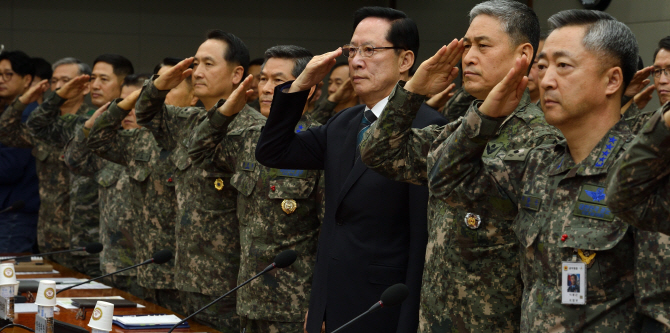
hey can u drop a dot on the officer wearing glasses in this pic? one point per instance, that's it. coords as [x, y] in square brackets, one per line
[661, 71]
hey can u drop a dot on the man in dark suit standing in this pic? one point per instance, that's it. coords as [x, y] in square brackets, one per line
[374, 231]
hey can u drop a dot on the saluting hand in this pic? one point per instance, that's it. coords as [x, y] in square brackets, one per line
[639, 81]
[89, 123]
[644, 96]
[235, 102]
[130, 100]
[506, 95]
[173, 76]
[436, 73]
[438, 101]
[74, 87]
[316, 70]
[33, 93]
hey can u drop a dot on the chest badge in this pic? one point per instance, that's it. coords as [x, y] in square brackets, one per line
[588, 257]
[289, 206]
[218, 184]
[473, 221]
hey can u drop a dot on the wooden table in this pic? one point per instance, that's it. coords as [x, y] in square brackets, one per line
[68, 316]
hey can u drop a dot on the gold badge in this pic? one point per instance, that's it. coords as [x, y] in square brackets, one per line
[587, 257]
[472, 221]
[218, 184]
[289, 206]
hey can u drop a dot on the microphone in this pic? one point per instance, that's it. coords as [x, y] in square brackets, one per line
[392, 296]
[18, 205]
[283, 259]
[159, 258]
[90, 248]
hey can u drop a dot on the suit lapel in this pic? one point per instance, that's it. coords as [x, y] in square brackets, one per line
[352, 167]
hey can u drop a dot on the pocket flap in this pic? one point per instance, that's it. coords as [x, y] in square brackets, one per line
[244, 182]
[107, 177]
[291, 188]
[40, 152]
[180, 158]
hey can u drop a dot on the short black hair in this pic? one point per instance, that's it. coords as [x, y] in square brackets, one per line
[403, 32]
[604, 36]
[256, 62]
[236, 52]
[121, 65]
[21, 62]
[42, 68]
[135, 80]
[662, 44]
[339, 64]
[167, 61]
[300, 56]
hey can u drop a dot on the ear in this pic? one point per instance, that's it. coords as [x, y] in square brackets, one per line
[526, 49]
[406, 61]
[27, 80]
[614, 77]
[238, 74]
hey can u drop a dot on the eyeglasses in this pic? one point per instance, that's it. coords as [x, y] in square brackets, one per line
[658, 71]
[365, 50]
[7, 76]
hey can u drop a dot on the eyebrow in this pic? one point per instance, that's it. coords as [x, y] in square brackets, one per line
[557, 54]
[477, 39]
[205, 58]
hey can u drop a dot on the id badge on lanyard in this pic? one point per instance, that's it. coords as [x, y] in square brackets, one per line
[573, 288]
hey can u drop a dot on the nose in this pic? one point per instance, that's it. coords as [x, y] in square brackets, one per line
[547, 80]
[469, 57]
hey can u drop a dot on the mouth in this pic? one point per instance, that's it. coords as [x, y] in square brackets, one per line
[357, 78]
[469, 73]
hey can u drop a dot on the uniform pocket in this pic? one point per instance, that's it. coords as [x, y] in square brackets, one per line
[40, 152]
[107, 177]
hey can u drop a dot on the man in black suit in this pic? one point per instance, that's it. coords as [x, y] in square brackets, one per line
[374, 231]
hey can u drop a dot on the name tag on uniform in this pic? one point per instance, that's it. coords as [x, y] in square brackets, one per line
[248, 166]
[573, 288]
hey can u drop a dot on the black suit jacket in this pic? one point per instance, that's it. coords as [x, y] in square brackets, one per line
[374, 232]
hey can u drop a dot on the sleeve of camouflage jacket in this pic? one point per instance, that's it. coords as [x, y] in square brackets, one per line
[13, 133]
[79, 157]
[458, 174]
[46, 123]
[153, 114]
[104, 141]
[393, 148]
[639, 188]
[323, 111]
[209, 142]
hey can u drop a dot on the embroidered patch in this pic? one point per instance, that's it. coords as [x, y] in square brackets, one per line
[517, 154]
[249, 166]
[299, 129]
[288, 173]
[606, 153]
[593, 194]
[600, 212]
[144, 157]
[531, 202]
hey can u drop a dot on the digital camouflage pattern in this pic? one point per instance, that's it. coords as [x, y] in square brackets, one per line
[323, 111]
[208, 240]
[636, 118]
[457, 105]
[471, 277]
[117, 210]
[53, 227]
[560, 208]
[47, 124]
[151, 172]
[282, 295]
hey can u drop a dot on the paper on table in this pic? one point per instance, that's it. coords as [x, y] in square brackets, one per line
[27, 308]
[148, 320]
[66, 303]
[62, 283]
[30, 273]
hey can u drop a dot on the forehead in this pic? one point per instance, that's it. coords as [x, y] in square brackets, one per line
[126, 90]
[70, 70]
[103, 68]
[211, 48]
[486, 26]
[371, 30]
[275, 66]
[340, 72]
[5, 64]
[566, 40]
[662, 58]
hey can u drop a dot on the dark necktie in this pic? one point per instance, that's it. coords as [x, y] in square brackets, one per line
[366, 121]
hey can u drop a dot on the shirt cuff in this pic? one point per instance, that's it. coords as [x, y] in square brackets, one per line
[218, 120]
[477, 124]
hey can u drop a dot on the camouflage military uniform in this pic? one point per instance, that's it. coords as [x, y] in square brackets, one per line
[46, 124]
[638, 194]
[208, 239]
[53, 228]
[150, 171]
[471, 278]
[636, 118]
[278, 209]
[323, 110]
[559, 208]
[457, 105]
[117, 212]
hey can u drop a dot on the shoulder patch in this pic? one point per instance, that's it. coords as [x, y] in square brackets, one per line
[143, 156]
[531, 202]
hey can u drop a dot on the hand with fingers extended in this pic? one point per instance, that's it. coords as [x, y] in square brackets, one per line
[33, 93]
[644, 96]
[343, 93]
[173, 76]
[506, 95]
[439, 100]
[89, 123]
[129, 102]
[436, 73]
[74, 87]
[236, 101]
[639, 81]
[316, 70]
